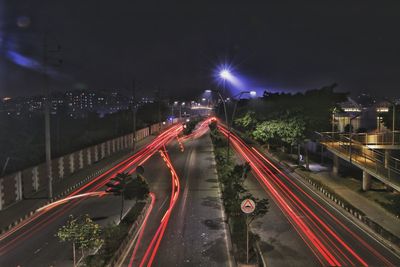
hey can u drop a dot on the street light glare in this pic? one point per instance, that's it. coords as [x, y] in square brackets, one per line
[253, 93]
[225, 74]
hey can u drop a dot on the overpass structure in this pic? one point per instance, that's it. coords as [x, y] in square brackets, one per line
[369, 152]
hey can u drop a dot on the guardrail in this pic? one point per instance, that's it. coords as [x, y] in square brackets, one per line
[386, 138]
[373, 160]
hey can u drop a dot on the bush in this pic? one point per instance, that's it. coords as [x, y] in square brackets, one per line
[113, 236]
[189, 126]
[232, 178]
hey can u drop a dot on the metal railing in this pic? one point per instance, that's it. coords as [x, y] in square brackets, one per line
[386, 138]
[356, 152]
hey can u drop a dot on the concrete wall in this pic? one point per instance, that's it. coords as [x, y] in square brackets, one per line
[33, 179]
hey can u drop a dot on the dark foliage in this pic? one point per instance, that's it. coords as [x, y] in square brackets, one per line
[22, 138]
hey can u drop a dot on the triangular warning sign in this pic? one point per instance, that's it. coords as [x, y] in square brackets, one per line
[248, 204]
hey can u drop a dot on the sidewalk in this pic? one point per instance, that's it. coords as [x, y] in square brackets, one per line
[23, 208]
[337, 184]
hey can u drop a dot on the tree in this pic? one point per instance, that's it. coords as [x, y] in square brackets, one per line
[314, 106]
[262, 207]
[234, 188]
[248, 121]
[289, 130]
[84, 234]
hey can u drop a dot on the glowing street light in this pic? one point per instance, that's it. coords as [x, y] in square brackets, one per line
[253, 93]
[225, 74]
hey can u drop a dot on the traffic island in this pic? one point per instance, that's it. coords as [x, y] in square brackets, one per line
[117, 236]
[236, 199]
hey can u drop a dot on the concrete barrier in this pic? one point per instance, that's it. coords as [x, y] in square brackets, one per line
[28, 181]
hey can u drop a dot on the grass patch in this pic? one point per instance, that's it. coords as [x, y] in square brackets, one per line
[392, 203]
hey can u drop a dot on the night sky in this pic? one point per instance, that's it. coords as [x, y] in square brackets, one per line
[174, 46]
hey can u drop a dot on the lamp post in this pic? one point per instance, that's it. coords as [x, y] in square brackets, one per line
[393, 119]
[252, 93]
[223, 102]
[333, 122]
[351, 134]
[134, 115]
[180, 110]
[226, 115]
[229, 124]
[47, 104]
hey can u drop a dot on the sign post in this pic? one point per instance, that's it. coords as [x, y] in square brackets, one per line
[247, 206]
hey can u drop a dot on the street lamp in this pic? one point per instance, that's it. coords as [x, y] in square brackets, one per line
[351, 135]
[225, 74]
[223, 102]
[252, 93]
[333, 121]
[393, 119]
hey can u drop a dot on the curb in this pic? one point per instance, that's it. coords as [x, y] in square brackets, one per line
[390, 239]
[226, 223]
[59, 196]
[131, 232]
[66, 191]
[385, 236]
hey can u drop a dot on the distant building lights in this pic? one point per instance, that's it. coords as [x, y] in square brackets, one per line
[382, 109]
[352, 109]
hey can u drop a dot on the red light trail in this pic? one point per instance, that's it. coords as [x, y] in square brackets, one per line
[323, 240]
[140, 234]
[45, 217]
[152, 249]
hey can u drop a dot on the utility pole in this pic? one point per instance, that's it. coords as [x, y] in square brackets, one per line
[172, 111]
[159, 109]
[393, 121]
[134, 114]
[47, 103]
[5, 166]
[47, 109]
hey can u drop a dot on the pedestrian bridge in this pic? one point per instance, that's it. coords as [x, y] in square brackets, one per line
[385, 140]
[361, 150]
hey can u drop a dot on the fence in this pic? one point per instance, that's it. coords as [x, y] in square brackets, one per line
[29, 181]
[376, 162]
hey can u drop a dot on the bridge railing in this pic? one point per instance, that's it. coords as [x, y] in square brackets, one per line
[354, 151]
[386, 138]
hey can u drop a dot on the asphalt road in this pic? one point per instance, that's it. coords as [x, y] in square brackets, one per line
[299, 226]
[331, 235]
[280, 244]
[196, 233]
[35, 244]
